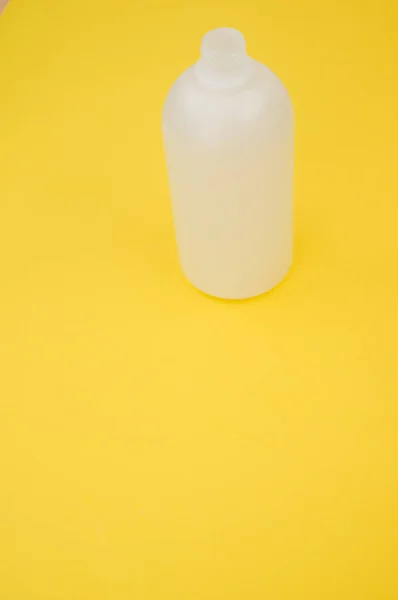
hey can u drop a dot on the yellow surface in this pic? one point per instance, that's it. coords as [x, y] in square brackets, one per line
[156, 444]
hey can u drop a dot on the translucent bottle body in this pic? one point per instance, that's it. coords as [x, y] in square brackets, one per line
[228, 135]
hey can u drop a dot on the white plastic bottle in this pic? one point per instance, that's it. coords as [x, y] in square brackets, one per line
[228, 135]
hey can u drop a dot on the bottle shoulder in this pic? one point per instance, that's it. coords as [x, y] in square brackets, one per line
[262, 100]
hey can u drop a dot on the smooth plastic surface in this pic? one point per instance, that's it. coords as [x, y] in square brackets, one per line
[228, 136]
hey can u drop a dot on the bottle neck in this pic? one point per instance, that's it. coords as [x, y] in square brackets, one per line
[224, 62]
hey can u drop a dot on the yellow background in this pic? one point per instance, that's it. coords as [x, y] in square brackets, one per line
[156, 443]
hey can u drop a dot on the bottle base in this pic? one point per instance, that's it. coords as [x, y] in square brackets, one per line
[236, 296]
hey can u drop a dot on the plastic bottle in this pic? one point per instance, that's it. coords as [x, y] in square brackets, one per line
[228, 136]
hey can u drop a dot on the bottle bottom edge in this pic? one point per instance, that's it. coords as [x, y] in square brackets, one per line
[238, 297]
